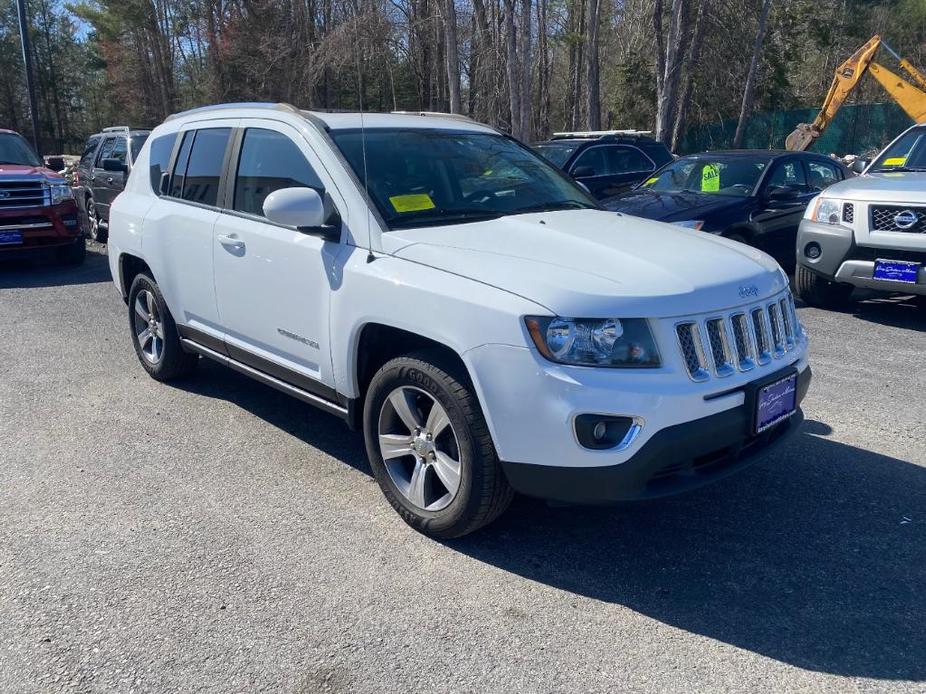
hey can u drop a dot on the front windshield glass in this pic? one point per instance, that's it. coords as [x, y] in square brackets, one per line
[15, 150]
[429, 177]
[908, 153]
[557, 152]
[720, 176]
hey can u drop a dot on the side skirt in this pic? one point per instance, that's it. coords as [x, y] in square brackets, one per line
[272, 381]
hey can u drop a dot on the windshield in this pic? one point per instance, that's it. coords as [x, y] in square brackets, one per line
[428, 177]
[907, 153]
[720, 176]
[15, 150]
[557, 152]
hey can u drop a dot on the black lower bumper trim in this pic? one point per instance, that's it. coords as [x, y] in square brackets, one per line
[674, 460]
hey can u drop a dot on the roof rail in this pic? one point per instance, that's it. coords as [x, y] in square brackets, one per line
[603, 133]
[217, 108]
[439, 114]
[117, 129]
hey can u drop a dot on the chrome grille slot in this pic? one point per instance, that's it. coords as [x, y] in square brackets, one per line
[786, 323]
[745, 354]
[720, 347]
[774, 319]
[760, 330]
[689, 340]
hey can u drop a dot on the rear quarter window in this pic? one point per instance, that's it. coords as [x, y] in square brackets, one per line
[159, 158]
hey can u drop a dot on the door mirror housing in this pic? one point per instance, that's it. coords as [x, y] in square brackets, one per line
[304, 209]
[115, 165]
[583, 171]
[859, 165]
[783, 194]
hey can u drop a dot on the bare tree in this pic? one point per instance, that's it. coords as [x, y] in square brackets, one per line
[593, 104]
[451, 51]
[690, 65]
[668, 63]
[750, 87]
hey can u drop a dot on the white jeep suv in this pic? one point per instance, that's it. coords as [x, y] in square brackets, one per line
[438, 285]
[868, 231]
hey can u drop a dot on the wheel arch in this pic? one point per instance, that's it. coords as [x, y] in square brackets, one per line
[130, 266]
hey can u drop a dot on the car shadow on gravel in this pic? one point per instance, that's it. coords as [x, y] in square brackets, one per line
[45, 271]
[816, 559]
[318, 429]
[895, 311]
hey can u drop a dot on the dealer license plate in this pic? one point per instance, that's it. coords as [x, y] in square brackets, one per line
[11, 238]
[776, 402]
[896, 271]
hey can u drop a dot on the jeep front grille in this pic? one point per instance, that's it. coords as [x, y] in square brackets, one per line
[884, 218]
[738, 341]
[17, 192]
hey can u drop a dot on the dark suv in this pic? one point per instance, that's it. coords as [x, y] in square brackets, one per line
[607, 162]
[101, 174]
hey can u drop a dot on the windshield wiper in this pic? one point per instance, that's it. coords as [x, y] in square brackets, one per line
[447, 217]
[551, 206]
[898, 169]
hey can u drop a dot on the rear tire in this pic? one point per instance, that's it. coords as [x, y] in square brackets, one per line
[154, 333]
[75, 254]
[817, 291]
[460, 484]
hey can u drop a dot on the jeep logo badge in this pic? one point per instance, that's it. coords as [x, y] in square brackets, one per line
[905, 219]
[749, 290]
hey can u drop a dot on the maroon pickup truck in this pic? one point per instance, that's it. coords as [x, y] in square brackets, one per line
[38, 213]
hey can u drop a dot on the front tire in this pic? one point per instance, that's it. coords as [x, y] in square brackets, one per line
[154, 333]
[94, 230]
[817, 291]
[430, 448]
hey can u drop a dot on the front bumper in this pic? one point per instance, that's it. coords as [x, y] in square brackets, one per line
[49, 227]
[674, 460]
[843, 260]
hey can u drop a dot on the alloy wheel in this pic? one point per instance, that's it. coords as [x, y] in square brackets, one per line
[149, 327]
[419, 448]
[93, 220]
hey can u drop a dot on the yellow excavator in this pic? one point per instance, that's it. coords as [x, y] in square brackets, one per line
[910, 95]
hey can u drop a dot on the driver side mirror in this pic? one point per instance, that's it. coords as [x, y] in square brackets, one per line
[304, 209]
[859, 165]
[583, 171]
[114, 165]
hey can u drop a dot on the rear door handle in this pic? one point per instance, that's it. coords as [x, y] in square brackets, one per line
[231, 241]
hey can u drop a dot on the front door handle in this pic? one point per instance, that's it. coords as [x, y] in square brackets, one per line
[231, 242]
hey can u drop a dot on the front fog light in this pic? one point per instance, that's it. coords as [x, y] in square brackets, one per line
[598, 431]
[812, 250]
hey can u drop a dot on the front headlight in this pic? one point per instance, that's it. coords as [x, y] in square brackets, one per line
[695, 224]
[611, 342]
[826, 210]
[60, 192]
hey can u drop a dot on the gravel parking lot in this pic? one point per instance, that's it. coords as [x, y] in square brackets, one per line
[217, 536]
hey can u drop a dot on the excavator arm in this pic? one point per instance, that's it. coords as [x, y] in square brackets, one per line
[847, 78]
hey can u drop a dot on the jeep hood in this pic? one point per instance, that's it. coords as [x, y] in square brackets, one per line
[591, 263]
[881, 187]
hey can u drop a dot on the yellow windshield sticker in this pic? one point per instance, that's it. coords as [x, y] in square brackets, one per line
[895, 161]
[710, 178]
[650, 181]
[413, 202]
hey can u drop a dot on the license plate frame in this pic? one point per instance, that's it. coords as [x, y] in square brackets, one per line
[774, 402]
[900, 271]
[12, 237]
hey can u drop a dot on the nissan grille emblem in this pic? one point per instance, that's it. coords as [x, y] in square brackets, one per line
[905, 219]
[749, 290]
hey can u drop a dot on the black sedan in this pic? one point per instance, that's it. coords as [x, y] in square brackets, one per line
[753, 196]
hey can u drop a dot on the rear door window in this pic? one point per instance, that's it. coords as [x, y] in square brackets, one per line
[625, 160]
[269, 161]
[105, 150]
[198, 169]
